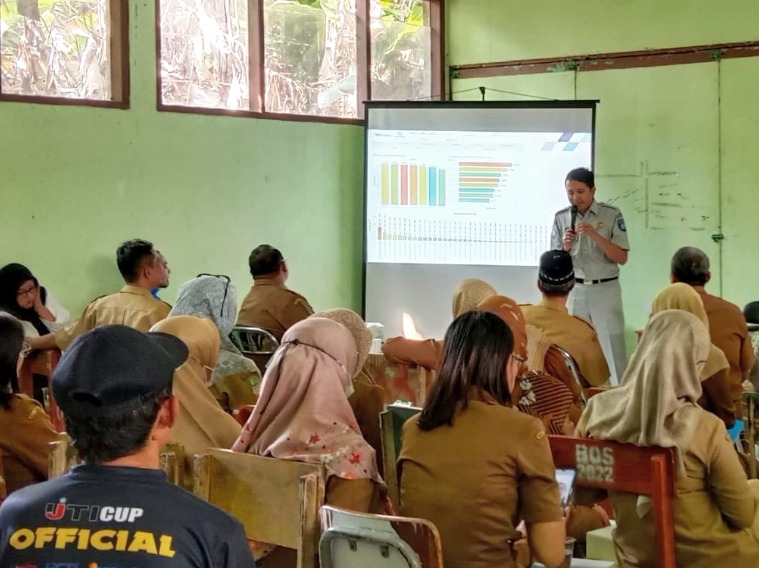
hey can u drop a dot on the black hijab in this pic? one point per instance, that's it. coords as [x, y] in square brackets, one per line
[12, 276]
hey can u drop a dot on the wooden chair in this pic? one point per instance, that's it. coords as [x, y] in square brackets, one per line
[593, 391]
[3, 487]
[277, 501]
[629, 469]
[751, 402]
[42, 362]
[391, 427]
[373, 541]
[172, 463]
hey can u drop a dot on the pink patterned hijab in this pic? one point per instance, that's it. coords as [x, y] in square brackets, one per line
[303, 413]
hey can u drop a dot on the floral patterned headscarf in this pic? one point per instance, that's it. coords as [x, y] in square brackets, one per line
[303, 413]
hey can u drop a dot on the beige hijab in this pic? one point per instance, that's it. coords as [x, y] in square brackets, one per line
[357, 328]
[681, 296]
[303, 412]
[469, 294]
[201, 424]
[656, 402]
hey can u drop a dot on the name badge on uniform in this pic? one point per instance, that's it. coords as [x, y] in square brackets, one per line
[600, 224]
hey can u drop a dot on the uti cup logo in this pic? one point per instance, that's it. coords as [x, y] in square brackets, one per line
[93, 513]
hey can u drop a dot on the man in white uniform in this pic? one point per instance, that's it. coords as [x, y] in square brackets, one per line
[596, 236]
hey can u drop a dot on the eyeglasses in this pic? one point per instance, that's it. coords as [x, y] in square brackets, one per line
[226, 286]
[26, 292]
[25, 349]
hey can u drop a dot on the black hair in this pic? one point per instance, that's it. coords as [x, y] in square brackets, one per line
[11, 343]
[477, 347]
[583, 175]
[556, 290]
[264, 259]
[12, 277]
[131, 256]
[691, 266]
[102, 439]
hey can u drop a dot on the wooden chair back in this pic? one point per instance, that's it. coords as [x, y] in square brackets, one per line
[574, 370]
[629, 469]
[172, 463]
[391, 428]
[277, 501]
[750, 400]
[593, 391]
[419, 535]
[42, 362]
[3, 487]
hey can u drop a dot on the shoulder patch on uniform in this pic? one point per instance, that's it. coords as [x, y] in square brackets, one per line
[540, 435]
[621, 222]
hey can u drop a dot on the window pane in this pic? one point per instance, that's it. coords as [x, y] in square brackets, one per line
[310, 57]
[56, 48]
[401, 66]
[204, 53]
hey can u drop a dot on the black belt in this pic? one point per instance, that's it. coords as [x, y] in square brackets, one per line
[601, 281]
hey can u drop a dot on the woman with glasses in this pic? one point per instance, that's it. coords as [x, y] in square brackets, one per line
[25, 428]
[474, 466]
[236, 379]
[22, 297]
[202, 423]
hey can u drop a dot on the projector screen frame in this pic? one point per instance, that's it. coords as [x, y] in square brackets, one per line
[369, 105]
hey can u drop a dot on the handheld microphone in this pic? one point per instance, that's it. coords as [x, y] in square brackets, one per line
[574, 218]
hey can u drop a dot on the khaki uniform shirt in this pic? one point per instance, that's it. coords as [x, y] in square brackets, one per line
[573, 334]
[715, 510]
[729, 332]
[25, 432]
[477, 479]
[131, 306]
[273, 307]
[589, 260]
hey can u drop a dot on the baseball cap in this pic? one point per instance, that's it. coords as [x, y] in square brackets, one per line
[556, 267]
[114, 369]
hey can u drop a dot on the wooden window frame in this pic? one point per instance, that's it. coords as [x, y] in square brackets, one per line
[257, 66]
[119, 63]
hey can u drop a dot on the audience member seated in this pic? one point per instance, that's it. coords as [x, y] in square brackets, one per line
[427, 352]
[25, 428]
[114, 386]
[143, 269]
[715, 509]
[22, 297]
[202, 423]
[303, 414]
[539, 357]
[751, 313]
[368, 398]
[475, 467]
[577, 336]
[236, 379]
[270, 304]
[719, 397]
[727, 326]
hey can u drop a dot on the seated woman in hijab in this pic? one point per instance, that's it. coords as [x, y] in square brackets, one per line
[427, 352]
[25, 428]
[303, 414]
[236, 379]
[368, 398]
[715, 507]
[719, 396]
[458, 470]
[22, 297]
[202, 423]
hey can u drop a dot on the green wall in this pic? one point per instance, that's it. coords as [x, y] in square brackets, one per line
[675, 145]
[75, 182]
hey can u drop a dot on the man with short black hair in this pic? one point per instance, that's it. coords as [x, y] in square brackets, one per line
[143, 269]
[270, 304]
[595, 234]
[114, 387]
[727, 325]
[577, 336]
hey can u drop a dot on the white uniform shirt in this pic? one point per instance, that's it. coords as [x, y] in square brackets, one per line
[590, 262]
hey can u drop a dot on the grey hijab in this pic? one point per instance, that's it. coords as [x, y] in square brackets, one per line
[204, 297]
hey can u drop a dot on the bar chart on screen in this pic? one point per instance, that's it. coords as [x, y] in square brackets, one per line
[452, 241]
[482, 182]
[412, 184]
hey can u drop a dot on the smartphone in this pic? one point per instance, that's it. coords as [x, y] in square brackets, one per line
[566, 480]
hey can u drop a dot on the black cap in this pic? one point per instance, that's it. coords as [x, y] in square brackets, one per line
[114, 369]
[556, 267]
